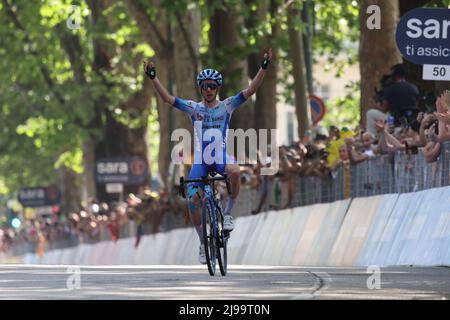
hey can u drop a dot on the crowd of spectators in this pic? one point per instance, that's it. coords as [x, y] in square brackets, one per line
[395, 123]
[146, 209]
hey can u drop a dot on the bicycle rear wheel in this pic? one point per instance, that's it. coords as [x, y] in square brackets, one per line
[208, 236]
[221, 244]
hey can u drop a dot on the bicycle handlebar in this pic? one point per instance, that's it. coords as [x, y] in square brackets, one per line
[204, 180]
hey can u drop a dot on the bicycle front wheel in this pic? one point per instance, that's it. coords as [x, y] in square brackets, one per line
[209, 238]
[221, 244]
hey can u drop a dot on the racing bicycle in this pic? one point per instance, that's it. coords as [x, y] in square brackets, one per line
[214, 237]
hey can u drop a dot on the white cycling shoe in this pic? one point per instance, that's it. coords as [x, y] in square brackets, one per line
[228, 224]
[202, 254]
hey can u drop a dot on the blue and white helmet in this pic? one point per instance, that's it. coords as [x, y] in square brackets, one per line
[209, 74]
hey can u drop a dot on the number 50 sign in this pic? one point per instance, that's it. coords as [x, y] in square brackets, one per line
[436, 72]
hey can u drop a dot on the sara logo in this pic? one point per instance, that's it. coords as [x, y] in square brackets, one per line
[129, 171]
[423, 36]
[138, 167]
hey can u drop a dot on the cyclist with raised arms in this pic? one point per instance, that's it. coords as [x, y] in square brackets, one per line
[212, 114]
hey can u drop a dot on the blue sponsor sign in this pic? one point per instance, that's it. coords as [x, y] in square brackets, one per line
[128, 171]
[39, 197]
[423, 36]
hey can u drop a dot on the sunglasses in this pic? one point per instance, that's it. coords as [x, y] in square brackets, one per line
[211, 86]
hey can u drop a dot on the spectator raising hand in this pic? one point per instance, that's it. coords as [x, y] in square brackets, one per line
[443, 116]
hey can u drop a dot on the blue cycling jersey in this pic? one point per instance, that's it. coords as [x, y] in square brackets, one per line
[204, 119]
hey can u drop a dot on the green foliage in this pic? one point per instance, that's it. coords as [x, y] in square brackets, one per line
[336, 28]
[3, 188]
[43, 125]
[344, 112]
[39, 132]
[72, 159]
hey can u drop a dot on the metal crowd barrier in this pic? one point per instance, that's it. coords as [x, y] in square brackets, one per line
[372, 177]
[400, 173]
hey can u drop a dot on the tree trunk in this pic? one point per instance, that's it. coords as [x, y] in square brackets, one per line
[296, 52]
[186, 51]
[88, 187]
[265, 115]
[70, 196]
[155, 34]
[71, 45]
[225, 44]
[307, 19]
[250, 23]
[164, 130]
[252, 62]
[378, 50]
[118, 139]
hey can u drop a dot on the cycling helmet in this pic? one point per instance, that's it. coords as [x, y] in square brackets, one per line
[209, 74]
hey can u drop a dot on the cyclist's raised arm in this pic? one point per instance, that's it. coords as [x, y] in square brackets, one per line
[150, 70]
[256, 82]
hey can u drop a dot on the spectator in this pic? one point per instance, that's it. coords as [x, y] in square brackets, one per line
[378, 112]
[343, 157]
[443, 116]
[335, 133]
[361, 149]
[388, 143]
[333, 148]
[425, 124]
[401, 98]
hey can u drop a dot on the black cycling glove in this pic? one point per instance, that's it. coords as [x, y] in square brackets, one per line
[151, 72]
[265, 63]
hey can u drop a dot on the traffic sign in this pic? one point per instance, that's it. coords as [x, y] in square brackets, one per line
[318, 108]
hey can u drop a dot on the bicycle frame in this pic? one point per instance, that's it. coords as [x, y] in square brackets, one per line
[208, 194]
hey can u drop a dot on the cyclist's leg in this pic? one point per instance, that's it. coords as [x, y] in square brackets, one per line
[231, 168]
[194, 197]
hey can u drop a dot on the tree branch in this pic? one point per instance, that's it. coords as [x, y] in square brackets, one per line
[148, 28]
[71, 45]
[192, 54]
[139, 100]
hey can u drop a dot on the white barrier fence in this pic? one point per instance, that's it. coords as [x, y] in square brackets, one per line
[381, 230]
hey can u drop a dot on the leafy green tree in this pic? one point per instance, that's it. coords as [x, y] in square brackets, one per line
[80, 87]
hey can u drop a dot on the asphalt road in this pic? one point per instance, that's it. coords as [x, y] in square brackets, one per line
[242, 282]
